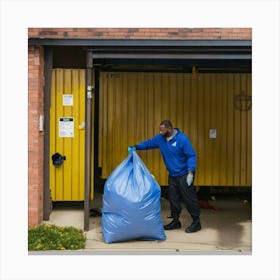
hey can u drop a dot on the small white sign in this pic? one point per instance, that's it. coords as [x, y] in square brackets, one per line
[212, 133]
[41, 123]
[67, 99]
[66, 127]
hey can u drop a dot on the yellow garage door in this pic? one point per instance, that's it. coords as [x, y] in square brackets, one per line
[67, 135]
[214, 110]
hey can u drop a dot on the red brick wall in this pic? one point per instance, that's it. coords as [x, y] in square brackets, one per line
[35, 138]
[142, 33]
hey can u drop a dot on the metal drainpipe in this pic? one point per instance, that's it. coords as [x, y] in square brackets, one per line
[88, 140]
[47, 104]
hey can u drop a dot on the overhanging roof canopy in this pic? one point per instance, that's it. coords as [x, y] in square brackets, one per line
[220, 53]
[173, 49]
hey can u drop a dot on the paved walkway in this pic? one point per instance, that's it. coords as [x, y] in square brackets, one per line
[225, 231]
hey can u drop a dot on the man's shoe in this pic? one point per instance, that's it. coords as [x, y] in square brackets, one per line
[173, 225]
[194, 227]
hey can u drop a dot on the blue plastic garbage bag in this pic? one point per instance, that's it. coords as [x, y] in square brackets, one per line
[131, 203]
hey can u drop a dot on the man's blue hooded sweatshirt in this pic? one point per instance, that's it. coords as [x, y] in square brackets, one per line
[178, 153]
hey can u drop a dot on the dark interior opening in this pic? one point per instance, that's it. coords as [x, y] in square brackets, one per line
[75, 57]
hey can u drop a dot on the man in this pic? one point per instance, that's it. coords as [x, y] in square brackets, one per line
[180, 160]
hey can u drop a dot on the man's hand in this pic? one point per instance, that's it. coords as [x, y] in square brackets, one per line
[189, 179]
[131, 149]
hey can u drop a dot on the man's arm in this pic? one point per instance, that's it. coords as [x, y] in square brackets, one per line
[189, 151]
[149, 144]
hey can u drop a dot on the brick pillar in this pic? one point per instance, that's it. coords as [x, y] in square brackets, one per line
[35, 138]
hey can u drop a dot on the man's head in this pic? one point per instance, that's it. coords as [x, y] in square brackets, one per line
[166, 128]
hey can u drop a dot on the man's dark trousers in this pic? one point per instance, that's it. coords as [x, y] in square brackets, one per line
[178, 189]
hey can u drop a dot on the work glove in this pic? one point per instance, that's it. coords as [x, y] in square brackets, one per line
[131, 149]
[189, 179]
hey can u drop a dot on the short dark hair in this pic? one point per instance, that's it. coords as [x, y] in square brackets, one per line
[167, 123]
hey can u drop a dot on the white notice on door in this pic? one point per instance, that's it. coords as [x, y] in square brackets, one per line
[67, 99]
[212, 133]
[66, 127]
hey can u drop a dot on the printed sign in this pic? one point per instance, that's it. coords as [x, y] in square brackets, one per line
[66, 127]
[213, 133]
[67, 99]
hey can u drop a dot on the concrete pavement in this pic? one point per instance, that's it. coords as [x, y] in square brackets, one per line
[225, 231]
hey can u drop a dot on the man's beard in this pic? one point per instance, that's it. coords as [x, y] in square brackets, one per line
[166, 134]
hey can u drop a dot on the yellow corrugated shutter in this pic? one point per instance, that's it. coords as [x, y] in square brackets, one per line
[133, 104]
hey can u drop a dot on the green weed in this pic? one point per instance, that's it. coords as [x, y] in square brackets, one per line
[52, 237]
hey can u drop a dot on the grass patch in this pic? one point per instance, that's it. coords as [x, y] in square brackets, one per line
[52, 237]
